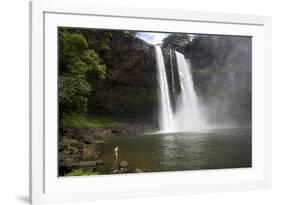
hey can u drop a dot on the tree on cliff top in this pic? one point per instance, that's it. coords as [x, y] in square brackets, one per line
[176, 41]
[79, 67]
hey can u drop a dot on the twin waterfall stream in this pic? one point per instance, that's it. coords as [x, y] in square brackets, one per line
[186, 115]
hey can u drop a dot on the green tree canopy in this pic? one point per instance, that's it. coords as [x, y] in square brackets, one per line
[176, 41]
[79, 67]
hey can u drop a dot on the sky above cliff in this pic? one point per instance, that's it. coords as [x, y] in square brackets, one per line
[153, 38]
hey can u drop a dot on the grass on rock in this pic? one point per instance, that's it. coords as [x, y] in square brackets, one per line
[81, 172]
[79, 121]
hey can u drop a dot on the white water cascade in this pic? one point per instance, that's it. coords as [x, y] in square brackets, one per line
[187, 115]
[166, 120]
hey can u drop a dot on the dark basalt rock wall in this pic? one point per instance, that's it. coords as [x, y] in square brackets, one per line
[130, 87]
[221, 69]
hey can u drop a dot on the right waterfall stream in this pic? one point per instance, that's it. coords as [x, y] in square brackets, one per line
[187, 115]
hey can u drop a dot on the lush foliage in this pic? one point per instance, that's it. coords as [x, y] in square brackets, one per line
[79, 67]
[176, 41]
[75, 120]
[81, 172]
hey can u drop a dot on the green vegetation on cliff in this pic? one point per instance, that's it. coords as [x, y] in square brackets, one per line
[75, 120]
[106, 73]
[81, 172]
[79, 67]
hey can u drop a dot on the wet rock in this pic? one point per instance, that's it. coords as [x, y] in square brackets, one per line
[89, 152]
[137, 170]
[99, 141]
[66, 141]
[99, 162]
[123, 170]
[82, 164]
[115, 130]
[88, 139]
[115, 171]
[77, 156]
[101, 132]
[62, 156]
[90, 163]
[123, 164]
[79, 145]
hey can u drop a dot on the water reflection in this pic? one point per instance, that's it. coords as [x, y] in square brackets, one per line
[182, 150]
[229, 148]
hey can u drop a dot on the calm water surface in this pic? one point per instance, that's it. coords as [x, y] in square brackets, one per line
[213, 149]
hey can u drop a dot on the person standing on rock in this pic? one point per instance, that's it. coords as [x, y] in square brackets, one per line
[115, 152]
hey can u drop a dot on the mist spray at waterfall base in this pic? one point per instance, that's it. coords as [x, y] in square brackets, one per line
[187, 116]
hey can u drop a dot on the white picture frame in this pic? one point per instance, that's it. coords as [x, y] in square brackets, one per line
[46, 187]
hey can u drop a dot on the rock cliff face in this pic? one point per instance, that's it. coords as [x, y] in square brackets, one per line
[221, 69]
[130, 87]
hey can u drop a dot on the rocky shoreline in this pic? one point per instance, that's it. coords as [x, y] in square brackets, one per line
[80, 148]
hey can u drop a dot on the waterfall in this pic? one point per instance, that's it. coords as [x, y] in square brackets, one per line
[187, 116]
[165, 108]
